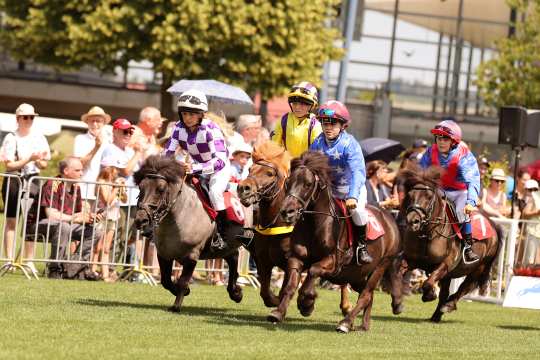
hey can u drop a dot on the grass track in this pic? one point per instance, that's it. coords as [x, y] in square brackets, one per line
[50, 319]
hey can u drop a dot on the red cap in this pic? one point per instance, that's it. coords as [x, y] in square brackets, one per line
[122, 124]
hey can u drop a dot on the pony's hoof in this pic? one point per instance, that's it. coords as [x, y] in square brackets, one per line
[449, 307]
[271, 301]
[429, 296]
[436, 318]
[275, 317]
[343, 328]
[306, 311]
[236, 295]
[174, 309]
[397, 308]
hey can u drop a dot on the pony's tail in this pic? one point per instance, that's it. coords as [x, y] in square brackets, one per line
[485, 277]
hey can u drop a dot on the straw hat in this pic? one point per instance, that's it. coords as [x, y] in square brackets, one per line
[498, 174]
[25, 109]
[96, 111]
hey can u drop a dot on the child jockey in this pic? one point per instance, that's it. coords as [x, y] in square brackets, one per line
[349, 170]
[299, 128]
[204, 141]
[461, 180]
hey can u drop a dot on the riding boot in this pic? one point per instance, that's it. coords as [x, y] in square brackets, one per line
[362, 255]
[470, 255]
[218, 242]
[246, 237]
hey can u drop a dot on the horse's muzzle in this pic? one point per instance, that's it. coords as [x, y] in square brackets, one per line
[289, 215]
[246, 194]
[143, 223]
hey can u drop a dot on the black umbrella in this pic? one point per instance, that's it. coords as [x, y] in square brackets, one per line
[386, 150]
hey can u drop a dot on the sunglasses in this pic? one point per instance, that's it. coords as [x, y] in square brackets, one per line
[532, 190]
[191, 99]
[27, 117]
[500, 181]
[442, 137]
[127, 132]
[328, 121]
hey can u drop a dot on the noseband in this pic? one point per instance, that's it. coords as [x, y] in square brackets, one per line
[312, 192]
[425, 214]
[157, 212]
[271, 191]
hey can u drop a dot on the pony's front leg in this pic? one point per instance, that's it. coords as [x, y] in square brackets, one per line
[234, 290]
[428, 288]
[443, 297]
[165, 268]
[182, 284]
[264, 271]
[307, 293]
[345, 304]
[468, 285]
[294, 269]
[396, 286]
[364, 300]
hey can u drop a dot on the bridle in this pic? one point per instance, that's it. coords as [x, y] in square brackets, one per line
[269, 192]
[313, 195]
[156, 212]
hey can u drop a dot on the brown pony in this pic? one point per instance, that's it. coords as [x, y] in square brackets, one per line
[320, 245]
[265, 186]
[431, 244]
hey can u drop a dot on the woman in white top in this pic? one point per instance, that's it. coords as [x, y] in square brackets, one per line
[24, 152]
[494, 196]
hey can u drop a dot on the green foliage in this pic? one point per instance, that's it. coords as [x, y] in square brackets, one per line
[260, 45]
[513, 76]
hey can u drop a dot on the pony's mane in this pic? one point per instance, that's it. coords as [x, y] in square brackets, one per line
[162, 165]
[315, 161]
[412, 175]
[273, 153]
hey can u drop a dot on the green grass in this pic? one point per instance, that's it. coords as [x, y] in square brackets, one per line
[52, 319]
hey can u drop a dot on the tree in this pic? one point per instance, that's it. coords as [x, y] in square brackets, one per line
[513, 76]
[261, 45]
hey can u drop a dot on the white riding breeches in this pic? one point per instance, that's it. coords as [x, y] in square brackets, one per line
[459, 198]
[359, 215]
[217, 185]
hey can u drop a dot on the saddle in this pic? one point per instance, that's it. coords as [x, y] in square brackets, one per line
[233, 207]
[481, 226]
[374, 228]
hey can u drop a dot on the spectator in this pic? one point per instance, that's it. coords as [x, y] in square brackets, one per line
[483, 166]
[108, 202]
[531, 211]
[519, 203]
[377, 191]
[248, 127]
[494, 197]
[89, 147]
[127, 160]
[240, 160]
[60, 214]
[419, 148]
[24, 152]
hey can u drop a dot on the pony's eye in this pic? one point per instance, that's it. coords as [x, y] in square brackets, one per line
[269, 173]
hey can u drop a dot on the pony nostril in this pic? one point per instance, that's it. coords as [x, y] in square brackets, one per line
[244, 189]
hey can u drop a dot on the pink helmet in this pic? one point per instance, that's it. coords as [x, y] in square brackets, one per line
[334, 109]
[448, 128]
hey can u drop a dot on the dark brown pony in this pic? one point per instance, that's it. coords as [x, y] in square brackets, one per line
[169, 209]
[265, 186]
[431, 244]
[320, 245]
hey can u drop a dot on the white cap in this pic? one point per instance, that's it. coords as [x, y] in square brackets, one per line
[25, 109]
[113, 161]
[531, 184]
[242, 147]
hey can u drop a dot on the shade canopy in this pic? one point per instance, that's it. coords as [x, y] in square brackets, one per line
[442, 15]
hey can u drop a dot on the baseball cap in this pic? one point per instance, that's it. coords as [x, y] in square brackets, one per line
[531, 184]
[122, 124]
[420, 143]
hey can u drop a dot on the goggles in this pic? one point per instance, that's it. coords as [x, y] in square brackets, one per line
[302, 90]
[445, 129]
[191, 99]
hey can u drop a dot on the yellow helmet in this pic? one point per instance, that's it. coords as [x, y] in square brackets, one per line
[304, 92]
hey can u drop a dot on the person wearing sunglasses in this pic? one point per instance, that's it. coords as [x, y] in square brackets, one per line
[205, 143]
[24, 152]
[531, 212]
[494, 200]
[348, 168]
[461, 178]
[299, 128]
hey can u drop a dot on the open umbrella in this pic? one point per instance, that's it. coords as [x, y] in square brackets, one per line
[380, 149]
[214, 90]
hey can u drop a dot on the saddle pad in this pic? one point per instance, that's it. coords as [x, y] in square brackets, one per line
[481, 226]
[203, 196]
[233, 207]
[374, 229]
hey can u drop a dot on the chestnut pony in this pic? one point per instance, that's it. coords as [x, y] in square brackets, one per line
[431, 244]
[319, 244]
[265, 186]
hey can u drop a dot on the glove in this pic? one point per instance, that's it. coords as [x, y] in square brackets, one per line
[468, 209]
[350, 203]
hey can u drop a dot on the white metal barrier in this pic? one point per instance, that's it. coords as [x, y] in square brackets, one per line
[76, 248]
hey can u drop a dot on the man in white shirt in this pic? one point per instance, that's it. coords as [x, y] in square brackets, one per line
[128, 160]
[89, 147]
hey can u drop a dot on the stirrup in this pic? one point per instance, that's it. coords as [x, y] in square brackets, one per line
[246, 238]
[217, 243]
[361, 249]
[464, 256]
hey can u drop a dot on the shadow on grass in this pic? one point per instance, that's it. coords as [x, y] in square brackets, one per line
[222, 316]
[519, 327]
[401, 318]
